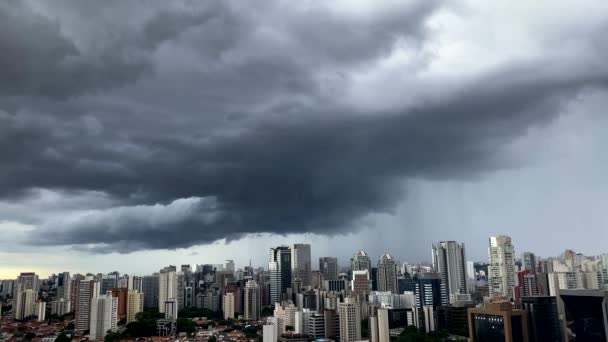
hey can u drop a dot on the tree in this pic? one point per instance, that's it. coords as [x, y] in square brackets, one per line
[62, 338]
[112, 336]
[185, 325]
[211, 339]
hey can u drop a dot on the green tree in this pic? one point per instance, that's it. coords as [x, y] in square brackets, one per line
[185, 325]
[62, 338]
[112, 336]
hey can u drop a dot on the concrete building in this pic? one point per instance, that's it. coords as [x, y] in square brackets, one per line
[497, 322]
[285, 315]
[167, 287]
[85, 290]
[253, 305]
[387, 274]
[449, 261]
[350, 320]
[228, 305]
[270, 331]
[528, 261]
[360, 261]
[280, 273]
[121, 296]
[171, 309]
[564, 281]
[301, 263]
[360, 283]
[28, 281]
[328, 266]
[501, 277]
[24, 302]
[104, 316]
[135, 304]
[60, 307]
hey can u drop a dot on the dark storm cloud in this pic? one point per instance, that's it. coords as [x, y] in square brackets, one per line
[245, 140]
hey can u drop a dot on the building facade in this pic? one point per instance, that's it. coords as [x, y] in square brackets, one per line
[501, 277]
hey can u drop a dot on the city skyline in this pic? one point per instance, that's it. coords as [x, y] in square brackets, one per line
[215, 130]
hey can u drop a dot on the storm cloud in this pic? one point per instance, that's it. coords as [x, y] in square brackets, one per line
[206, 122]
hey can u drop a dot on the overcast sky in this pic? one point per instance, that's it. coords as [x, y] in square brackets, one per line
[139, 134]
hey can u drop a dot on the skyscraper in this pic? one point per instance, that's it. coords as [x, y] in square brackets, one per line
[328, 266]
[350, 320]
[29, 281]
[24, 302]
[86, 289]
[501, 277]
[300, 263]
[280, 272]
[228, 305]
[449, 261]
[167, 287]
[229, 267]
[104, 316]
[430, 293]
[360, 261]
[387, 274]
[528, 260]
[252, 301]
[150, 290]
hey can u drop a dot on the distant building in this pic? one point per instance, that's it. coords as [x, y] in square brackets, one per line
[430, 293]
[24, 302]
[328, 267]
[300, 263]
[280, 272]
[151, 291]
[449, 261]
[167, 287]
[253, 305]
[135, 304]
[228, 305]
[360, 261]
[501, 270]
[171, 309]
[497, 322]
[453, 318]
[86, 289]
[528, 261]
[121, 296]
[387, 274]
[361, 282]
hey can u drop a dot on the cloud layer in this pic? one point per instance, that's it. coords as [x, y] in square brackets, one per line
[195, 123]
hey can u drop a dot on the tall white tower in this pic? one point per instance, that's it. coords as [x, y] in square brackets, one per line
[449, 261]
[501, 277]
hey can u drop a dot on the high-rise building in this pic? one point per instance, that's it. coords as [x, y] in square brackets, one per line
[24, 302]
[252, 298]
[430, 293]
[85, 290]
[228, 305]
[151, 291]
[350, 320]
[29, 281]
[328, 266]
[109, 281]
[280, 272]
[528, 261]
[135, 304]
[300, 263]
[501, 278]
[104, 316]
[360, 283]
[229, 266]
[171, 309]
[285, 315]
[360, 261]
[449, 261]
[40, 310]
[121, 295]
[529, 285]
[387, 274]
[64, 289]
[136, 283]
[167, 287]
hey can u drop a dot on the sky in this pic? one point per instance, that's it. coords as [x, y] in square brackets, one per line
[137, 134]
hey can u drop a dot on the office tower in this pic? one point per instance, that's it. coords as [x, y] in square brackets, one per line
[300, 263]
[583, 315]
[123, 282]
[528, 261]
[109, 281]
[167, 287]
[64, 287]
[228, 305]
[453, 318]
[280, 272]
[360, 283]
[171, 309]
[121, 298]
[350, 320]
[328, 267]
[471, 270]
[501, 270]
[387, 274]
[331, 317]
[270, 332]
[104, 316]
[24, 301]
[135, 304]
[136, 283]
[430, 293]
[40, 310]
[85, 290]
[383, 326]
[181, 290]
[150, 290]
[497, 322]
[543, 319]
[229, 267]
[29, 280]
[253, 305]
[360, 261]
[449, 261]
